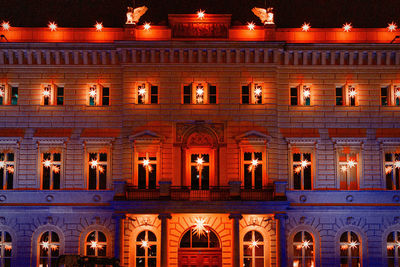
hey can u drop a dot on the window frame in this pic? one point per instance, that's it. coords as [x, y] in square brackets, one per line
[96, 250]
[262, 162]
[53, 97]
[349, 253]
[151, 243]
[253, 253]
[301, 99]
[100, 163]
[206, 93]
[396, 241]
[3, 248]
[7, 164]
[303, 256]
[339, 164]
[395, 185]
[51, 151]
[7, 89]
[148, 154]
[346, 99]
[100, 97]
[392, 100]
[148, 95]
[49, 256]
[253, 100]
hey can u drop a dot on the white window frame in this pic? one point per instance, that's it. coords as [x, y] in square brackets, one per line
[396, 256]
[52, 88]
[387, 145]
[5, 246]
[303, 257]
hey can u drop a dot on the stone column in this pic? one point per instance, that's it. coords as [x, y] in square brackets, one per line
[164, 238]
[281, 238]
[119, 235]
[236, 240]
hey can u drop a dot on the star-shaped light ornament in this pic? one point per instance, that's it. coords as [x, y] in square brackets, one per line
[253, 244]
[92, 92]
[147, 26]
[10, 169]
[45, 245]
[253, 165]
[98, 26]
[95, 244]
[200, 14]
[199, 228]
[52, 26]
[200, 162]
[306, 244]
[145, 244]
[5, 26]
[388, 169]
[347, 27]
[251, 26]
[352, 92]
[305, 27]
[353, 244]
[2, 164]
[258, 90]
[47, 163]
[46, 92]
[56, 169]
[397, 93]
[392, 27]
[2, 91]
[93, 163]
[146, 164]
[396, 164]
[305, 163]
[343, 168]
[306, 92]
[297, 169]
[351, 163]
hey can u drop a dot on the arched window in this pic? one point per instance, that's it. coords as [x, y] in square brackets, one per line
[350, 250]
[96, 244]
[146, 249]
[303, 250]
[193, 239]
[253, 249]
[49, 248]
[5, 249]
[393, 249]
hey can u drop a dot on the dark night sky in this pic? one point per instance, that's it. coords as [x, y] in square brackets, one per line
[289, 13]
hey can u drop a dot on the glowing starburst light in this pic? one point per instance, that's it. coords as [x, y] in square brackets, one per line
[397, 93]
[7, 247]
[94, 244]
[297, 169]
[254, 244]
[45, 245]
[258, 91]
[5, 25]
[253, 165]
[199, 94]
[52, 26]
[352, 92]
[200, 162]
[47, 163]
[94, 163]
[392, 27]
[10, 169]
[199, 227]
[306, 244]
[145, 244]
[305, 27]
[347, 27]
[56, 169]
[101, 169]
[351, 163]
[306, 92]
[388, 169]
[92, 92]
[99, 26]
[304, 163]
[353, 244]
[146, 164]
[200, 14]
[251, 26]
[343, 168]
[2, 164]
[142, 91]
[2, 91]
[46, 92]
[397, 164]
[147, 26]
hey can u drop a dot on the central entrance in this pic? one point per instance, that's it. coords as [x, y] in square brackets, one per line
[200, 249]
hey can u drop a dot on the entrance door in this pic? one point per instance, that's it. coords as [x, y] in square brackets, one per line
[200, 249]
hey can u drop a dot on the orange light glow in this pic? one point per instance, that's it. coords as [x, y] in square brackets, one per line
[352, 92]
[99, 26]
[2, 164]
[10, 169]
[94, 164]
[251, 26]
[200, 14]
[388, 169]
[392, 27]
[397, 164]
[147, 26]
[351, 163]
[56, 169]
[47, 163]
[6, 26]
[52, 26]
[397, 93]
[305, 27]
[347, 27]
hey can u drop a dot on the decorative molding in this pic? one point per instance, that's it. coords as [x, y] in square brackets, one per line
[389, 140]
[253, 138]
[50, 141]
[10, 142]
[97, 141]
[303, 141]
[214, 130]
[146, 137]
[357, 141]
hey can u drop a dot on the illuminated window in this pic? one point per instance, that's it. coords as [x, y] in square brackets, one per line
[390, 95]
[303, 250]
[392, 171]
[253, 168]
[52, 95]
[350, 250]
[7, 169]
[147, 93]
[49, 249]
[200, 171]
[191, 239]
[5, 249]
[302, 171]
[252, 93]
[253, 249]
[97, 171]
[393, 249]
[300, 95]
[348, 169]
[51, 171]
[346, 95]
[199, 93]
[8, 94]
[147, 170]
[99, 95]
[96, 244]
[146, 249]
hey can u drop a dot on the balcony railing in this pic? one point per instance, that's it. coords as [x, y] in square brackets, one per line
[220, 193]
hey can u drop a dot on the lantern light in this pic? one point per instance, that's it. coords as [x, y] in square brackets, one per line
[251, 26]
[200, 14]
[392, 27]
[147, 26]
[347, 27]
[52, 26]
[99, 26]
[6, 26]
[305, 27]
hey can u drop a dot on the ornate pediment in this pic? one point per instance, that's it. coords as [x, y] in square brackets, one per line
[146, 136]
[214, 130]
[253, 138]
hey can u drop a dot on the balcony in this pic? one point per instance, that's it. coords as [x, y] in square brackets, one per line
[220, 193]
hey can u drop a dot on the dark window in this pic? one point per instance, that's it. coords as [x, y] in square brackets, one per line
[187, 94]
[339, 96]
[212, 94]
[154, 94]
[60, 96]
[294, 96]
[106, 96]
[384, 96]
[245, 94]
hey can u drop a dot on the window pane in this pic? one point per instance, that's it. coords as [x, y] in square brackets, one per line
[248, 236]
[141, 236]
[140, 262]
[153, 177]
[14, 95]
[92, 178]
[205, 176]
[154, 99]
[152, 262]
[247, 177]
[258, 176]
[153, 251]
[151, 236]
[103, 177]
[185, 241]
[103, 156]
[141, 176]
[46, 177]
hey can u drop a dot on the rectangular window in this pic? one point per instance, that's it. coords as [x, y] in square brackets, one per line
[97, 171]
[52, 95]
[302, 171]
[200, 171]
[99, 95]
[384, 96]
[14, 95]
[47, 94]
[339, 96]
[253, 170]
[51, 171]
[348, 170]
[246, 94]
[60, 96]
[199, 93]
[7, 169]
[294, 99]
[147, 171]
[306, 92]
[8, 94]
[252, 93]
[2, 94]
[392, 171]
[352, 96]
[147, 94]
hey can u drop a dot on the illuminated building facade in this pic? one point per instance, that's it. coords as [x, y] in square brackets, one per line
[200, 144]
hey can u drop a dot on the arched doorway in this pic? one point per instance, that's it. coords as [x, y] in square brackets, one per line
[200, 249]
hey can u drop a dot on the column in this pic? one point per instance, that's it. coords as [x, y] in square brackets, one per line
[164, 238]
[119, 235]
[236, 240]
[281, 238]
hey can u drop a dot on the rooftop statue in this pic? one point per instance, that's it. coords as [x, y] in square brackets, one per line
[133, 15]
[266, 15]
